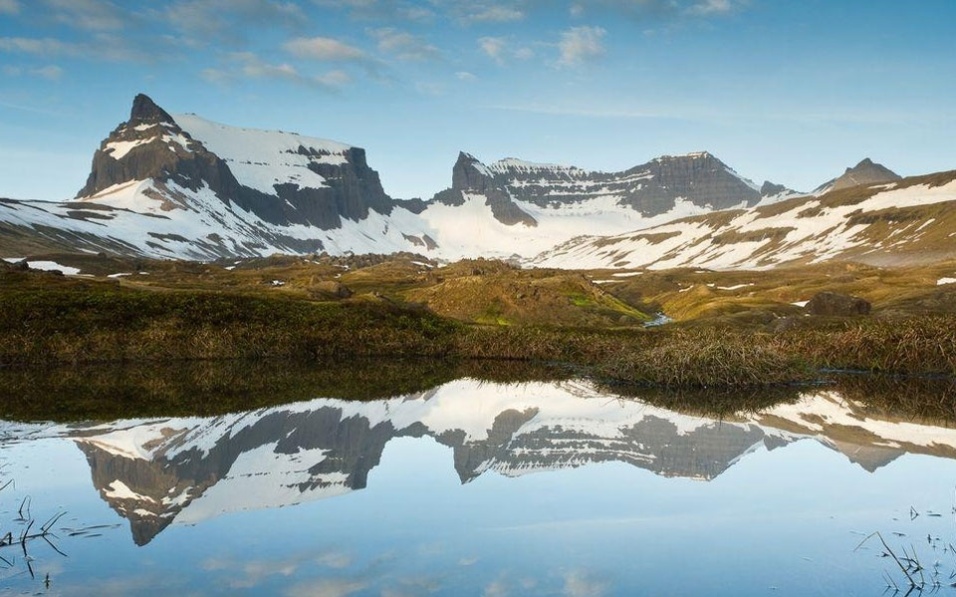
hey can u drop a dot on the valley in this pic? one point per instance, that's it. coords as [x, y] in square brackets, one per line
[193, 240]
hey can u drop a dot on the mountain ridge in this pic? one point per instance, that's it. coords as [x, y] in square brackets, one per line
[180, 186]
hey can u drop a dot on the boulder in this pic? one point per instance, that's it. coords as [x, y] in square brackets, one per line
[330, 288]
[834, 303]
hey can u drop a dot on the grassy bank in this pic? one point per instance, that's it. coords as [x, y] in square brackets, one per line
[48, 320]
[85, 322]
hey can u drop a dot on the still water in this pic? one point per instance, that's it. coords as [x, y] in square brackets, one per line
[480, 488]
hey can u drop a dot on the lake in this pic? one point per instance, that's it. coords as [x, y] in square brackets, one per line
[471, 486]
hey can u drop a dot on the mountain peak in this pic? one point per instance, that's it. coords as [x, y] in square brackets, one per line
[145, 111]
[867, 172]
[470, 174]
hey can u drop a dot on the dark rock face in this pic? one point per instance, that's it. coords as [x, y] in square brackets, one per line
[770, 189]
[652, 188]
[700, 178]
[151, 145]
[145, 111]
[832, 303]
[471, 176]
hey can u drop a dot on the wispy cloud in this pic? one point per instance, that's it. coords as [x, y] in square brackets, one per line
[581, 44]
[710, 7]
[404, 45]
[382, 10]
[578, 583]
[651, 9]
[204, 22]
[50, 72]
[501, 49]
[324, 48]
[9, 7]
[247, 65]
[493, 47]
[326, 587]
[89, 15]
[46, 46]
[494, 14]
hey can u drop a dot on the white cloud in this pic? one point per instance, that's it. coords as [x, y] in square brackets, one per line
[493, 47]
[327, 587]
[90, 15]
[524, 53]
[580, 584]
[709, 7]
[404, 45]
[46, 46]
[323, 48]
[51, 72]
[381, 10]
[500, 49]
[465, 76]
[495, 14]
[205, 21]
[581, 44]
[666, 9]
[246, 65]
[9, 7]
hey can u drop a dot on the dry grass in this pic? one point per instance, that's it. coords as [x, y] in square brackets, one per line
[708, 358]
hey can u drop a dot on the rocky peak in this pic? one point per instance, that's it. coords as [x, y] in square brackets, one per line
[697, 177]
[867, 172]
[768, 189]
[145, 111]
[470, 174]
[152, 146]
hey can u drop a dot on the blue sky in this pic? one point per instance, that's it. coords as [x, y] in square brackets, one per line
[790, 91]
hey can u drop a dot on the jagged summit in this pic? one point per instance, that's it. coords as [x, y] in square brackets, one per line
[145, 111]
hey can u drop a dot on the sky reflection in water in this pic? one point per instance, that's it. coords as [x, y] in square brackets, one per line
[480, 489]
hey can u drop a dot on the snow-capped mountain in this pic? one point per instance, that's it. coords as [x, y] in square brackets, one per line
[908, 221]
[184, 470]
[181, 186]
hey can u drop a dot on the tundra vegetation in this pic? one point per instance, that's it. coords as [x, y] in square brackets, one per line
[734, 330]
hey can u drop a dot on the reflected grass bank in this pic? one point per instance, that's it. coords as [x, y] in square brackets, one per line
[205, 388]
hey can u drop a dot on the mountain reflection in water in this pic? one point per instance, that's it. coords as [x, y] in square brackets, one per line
[160, 473]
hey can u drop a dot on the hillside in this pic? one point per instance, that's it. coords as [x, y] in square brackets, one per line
[900, 223]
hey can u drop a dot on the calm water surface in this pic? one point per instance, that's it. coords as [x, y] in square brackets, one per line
[479, 488]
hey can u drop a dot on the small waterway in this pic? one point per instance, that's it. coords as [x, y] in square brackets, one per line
[475, 486]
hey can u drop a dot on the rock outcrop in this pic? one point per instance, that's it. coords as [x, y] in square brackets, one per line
[833, 303]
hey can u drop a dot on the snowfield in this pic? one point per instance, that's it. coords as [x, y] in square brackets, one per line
[761, 241]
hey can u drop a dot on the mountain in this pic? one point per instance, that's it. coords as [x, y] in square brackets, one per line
[282, 178]
[162, 471]
[909, 221]
[652, 189]
[865, 173]
[180, 186]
